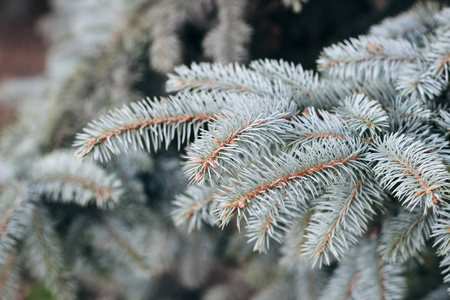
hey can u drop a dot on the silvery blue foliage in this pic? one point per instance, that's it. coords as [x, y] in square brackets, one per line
[349, 163]
[347, 166]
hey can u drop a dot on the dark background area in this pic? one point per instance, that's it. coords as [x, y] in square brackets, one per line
[277, 31]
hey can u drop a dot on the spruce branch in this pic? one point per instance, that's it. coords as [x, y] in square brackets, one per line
[230, 77]
[166, 48]
[445, 264]
[265, 226]
[44, 256]
[409, 168]
[288, 73]
[62, 177]
[15, 214]
[443, 120]
[379, 279]
[115, 237]
[305, 85]
[75, 239]
[429, 136]
[160, 23]
[341, 218]
[441, 231]
[197, 259]
[295, 238]
[404, 236]
[417, 81]
[311, 181]
[404, 113]
[316, 125]
[411, 25]
[310, 282]
[343, 284]
[237, 136]
[366, 58]
[378, 89]
[128, 169]
[262, 187]
[147, 123]
[363, 275]
[9, 274]
[195, 206]
[427, 78]
[442, 17]
[438, 53]
[227, 42]
[16, 210]
[363, 115]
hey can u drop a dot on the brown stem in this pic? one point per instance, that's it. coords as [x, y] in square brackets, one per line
[414, 226]
[99, 191]
[11, 210]
[147, 123]
[242, 201]
[411, 170]
[339, 219]
[211, 160]
[127, 247]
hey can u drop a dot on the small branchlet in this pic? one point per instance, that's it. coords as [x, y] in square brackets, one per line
[62, 177]
[416, 175]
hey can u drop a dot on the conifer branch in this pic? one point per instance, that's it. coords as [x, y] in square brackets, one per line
[431, 138]
[416, 175]
[238, 136]
[9, 274]
[75, 239]
[363, 115]
[438, 53]
[405, 235]
[62, 177]
[261, 188]
[218, 77]
[15, 214]
[44, 255]
[443, 120]
[389, 281]
[147, 123]
[316, 125]
[445, 264]
[441, 231]
[344, 282]
[227, 41]
[113, 236]
[194, 206]
[427, 78]
[311, 181]
[290, 74]
[411, 25]
[295, 238]
[405, 113]
[417, 81]
[341, 217]
[265, 226]
[166, 48]
[367, 58]
[306, 88]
